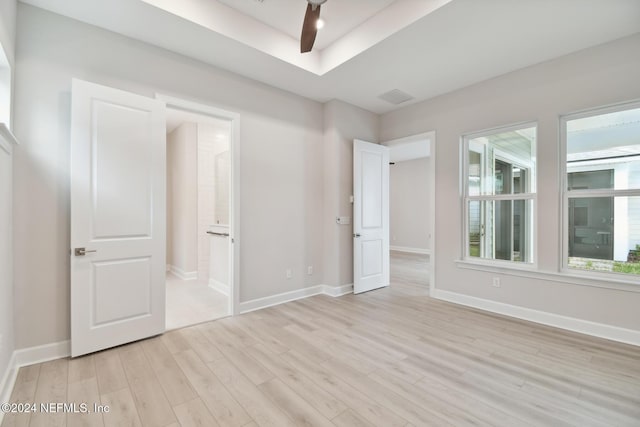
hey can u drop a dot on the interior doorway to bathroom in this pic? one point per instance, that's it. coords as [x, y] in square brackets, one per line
[199, 217]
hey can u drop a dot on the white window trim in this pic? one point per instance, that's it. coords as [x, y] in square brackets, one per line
[611, 280]
[465, 197]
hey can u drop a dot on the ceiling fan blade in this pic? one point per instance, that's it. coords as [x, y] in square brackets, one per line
[309, 28]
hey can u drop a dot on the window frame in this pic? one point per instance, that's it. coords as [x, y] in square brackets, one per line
[528, 196]
[566, 194]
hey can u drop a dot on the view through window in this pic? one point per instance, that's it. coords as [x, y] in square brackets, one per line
[603, 192]
[499, 193]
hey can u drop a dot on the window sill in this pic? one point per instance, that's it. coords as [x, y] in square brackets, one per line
[530, 271]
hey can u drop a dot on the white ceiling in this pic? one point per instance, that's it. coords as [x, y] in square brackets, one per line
[422, 47]
[341, 16]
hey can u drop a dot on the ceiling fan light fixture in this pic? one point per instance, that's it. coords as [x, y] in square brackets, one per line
[320, 23]
[310, 26]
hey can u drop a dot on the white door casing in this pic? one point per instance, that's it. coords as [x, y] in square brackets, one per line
[118, 210]
[370, 216]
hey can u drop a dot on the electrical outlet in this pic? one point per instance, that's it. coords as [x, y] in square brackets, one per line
[310, 270]
[496, 282]
[288, 273]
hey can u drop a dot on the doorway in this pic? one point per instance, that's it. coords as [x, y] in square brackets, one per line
[118, 214]
[411, 194]
[200, 257]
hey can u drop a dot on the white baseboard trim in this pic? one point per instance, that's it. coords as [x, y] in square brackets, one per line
[601, 330]
[410, 250]
[43, 353]
[181, 274]
[260, 303]
[223, 288]
[337, 291]
[26, 357]
[8, 381]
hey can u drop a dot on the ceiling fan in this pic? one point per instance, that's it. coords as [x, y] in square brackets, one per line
[309, 26]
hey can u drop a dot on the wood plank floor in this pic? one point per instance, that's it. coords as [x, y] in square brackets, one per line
[392, 357]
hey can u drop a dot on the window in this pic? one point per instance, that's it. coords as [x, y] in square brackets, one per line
[602, 191]
[5, 89]
[499, 194]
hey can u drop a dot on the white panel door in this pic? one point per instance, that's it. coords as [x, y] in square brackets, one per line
[117, 217]
[370, 216]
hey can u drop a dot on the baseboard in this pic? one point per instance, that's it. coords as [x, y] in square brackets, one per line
[260, 303]
[181, 274]
[223, 288]
[43, 353]
[337, 291]
[8, 381]
[601, 330]
[410, 250]
[26, 357]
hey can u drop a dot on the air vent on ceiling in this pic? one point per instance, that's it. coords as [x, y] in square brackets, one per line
[396, 97]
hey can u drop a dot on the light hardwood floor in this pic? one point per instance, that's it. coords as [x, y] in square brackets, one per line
[392, 357]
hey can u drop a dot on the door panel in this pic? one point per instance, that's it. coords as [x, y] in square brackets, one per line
[122, 171]
[372, 187]
[371, 216]
[113, 279]
[371, 258]
[118, 216]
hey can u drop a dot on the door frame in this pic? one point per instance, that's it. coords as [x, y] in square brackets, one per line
[431, 185]
[234, 203]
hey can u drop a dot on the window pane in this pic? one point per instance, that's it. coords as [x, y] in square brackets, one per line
[501, 229]
[502, 163]
[474, 173]
[603, 151]
[520, 179]
[590, 180]
[604, 234]
[475, 227]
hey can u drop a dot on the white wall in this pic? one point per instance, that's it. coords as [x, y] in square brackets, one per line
[206, 196]
[212, 141]
[409, 217]
[281, 162]
[7, 342]
[182, 167]
[342, 124]
[594, 77]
